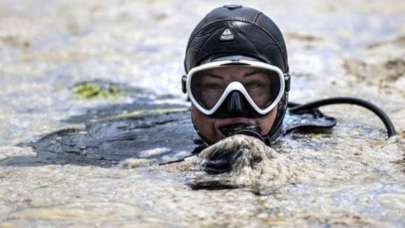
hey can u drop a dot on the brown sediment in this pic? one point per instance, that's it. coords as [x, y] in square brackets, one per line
[401, 162]
[383, 65]
[15, 41]
[302, 37]
[383, 74]
[399, 41]
[338, 218]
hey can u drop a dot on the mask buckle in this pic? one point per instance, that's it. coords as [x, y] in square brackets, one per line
[184, 83]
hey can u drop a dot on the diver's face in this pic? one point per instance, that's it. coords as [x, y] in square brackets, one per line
[208, 127]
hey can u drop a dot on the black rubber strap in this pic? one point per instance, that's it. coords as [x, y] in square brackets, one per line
[349, 100]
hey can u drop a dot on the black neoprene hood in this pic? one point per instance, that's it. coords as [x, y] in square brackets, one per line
[253, 34]
[241, 32]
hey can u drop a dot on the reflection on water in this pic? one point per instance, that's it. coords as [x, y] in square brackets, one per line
[349, 176]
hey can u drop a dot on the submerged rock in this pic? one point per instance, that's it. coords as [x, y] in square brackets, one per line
[144, 135]
[241, 161]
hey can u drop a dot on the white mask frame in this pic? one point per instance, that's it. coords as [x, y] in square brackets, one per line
[236, 86]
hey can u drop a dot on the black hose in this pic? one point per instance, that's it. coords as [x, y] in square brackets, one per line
[348, 100]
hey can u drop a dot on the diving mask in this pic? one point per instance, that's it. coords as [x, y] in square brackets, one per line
[260, 85]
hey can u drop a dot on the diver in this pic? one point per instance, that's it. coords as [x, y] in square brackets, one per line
[237, 79]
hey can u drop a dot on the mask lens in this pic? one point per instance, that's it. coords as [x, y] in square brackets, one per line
[207, 88]
[262, 85]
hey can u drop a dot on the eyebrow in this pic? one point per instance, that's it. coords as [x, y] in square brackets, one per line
[251, 73]
[215, 76]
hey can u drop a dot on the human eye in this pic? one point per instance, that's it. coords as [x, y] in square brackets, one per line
[211, 86]
[252, 85]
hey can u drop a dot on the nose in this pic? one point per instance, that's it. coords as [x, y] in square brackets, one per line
[235, 104]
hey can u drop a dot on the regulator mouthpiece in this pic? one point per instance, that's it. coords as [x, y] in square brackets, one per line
[243, 129]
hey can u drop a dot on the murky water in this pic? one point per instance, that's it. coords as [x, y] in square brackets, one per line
[350, 176]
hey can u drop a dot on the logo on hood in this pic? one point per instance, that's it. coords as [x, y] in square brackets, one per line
[227, 35]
